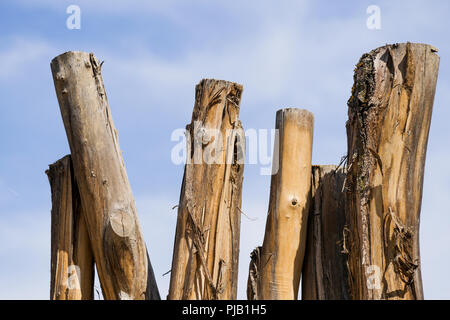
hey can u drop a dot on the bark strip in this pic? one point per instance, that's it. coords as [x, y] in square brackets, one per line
[389, 120]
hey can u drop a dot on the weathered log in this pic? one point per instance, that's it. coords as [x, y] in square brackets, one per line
[206, 249]
[324, 272]
[389, 120]
[285, 236]
[72, 262]
[122, 262]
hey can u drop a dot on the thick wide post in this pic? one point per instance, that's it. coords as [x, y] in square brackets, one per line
[206, 250]
[324, 272]
[119, 250]
[285, 236]
[72, 262]
[389, 120]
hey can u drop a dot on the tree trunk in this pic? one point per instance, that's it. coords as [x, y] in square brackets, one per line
[72, 263]
[206, 249]
[389, 120]
[324, 273]
[119, 250]
[285, 237]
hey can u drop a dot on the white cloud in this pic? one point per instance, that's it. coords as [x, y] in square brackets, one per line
[19, 55]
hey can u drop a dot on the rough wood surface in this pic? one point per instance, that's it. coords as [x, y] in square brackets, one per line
[389, 120]
[72, 262]
[285, 236]
[324, 272]
[206, 249]
[119, 250]
[254, 274]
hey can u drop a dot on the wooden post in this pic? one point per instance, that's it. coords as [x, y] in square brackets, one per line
[119, 250]
[72, 263]
[324, 273]
[389, 120]
[206, 249]
[285, 237]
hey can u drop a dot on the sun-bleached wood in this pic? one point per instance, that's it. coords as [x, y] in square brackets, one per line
[120, 253]
[206, 249]
[324, 272]
[389, 119]
[282, 253]
[72, 262]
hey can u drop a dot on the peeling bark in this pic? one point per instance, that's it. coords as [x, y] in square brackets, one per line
[324, 273]
[72, 262]
[389, 120]
[206, 249]
[119, 250]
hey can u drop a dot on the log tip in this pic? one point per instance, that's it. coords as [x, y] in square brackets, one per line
[394, 46]
[302, 116]
[219, 82]
[69, 55]
[63, 162]
[325, 167]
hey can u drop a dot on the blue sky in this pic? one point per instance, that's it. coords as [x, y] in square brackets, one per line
[288, 54]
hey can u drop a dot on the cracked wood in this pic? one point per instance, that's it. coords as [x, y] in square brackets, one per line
[206, 249]
[324, 272]
[120, 253]
[72, 262]
[389, 120]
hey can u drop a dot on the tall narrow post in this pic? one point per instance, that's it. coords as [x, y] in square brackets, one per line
[389, 120]
[72, 263]
[206, 249]
[324, 272]
[119, 250]
[285, 236]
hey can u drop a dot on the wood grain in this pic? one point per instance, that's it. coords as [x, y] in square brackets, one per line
[72, 262]
[120, 253]
[324, 272]
[283, 249]
[389, 120]
[206, 249]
